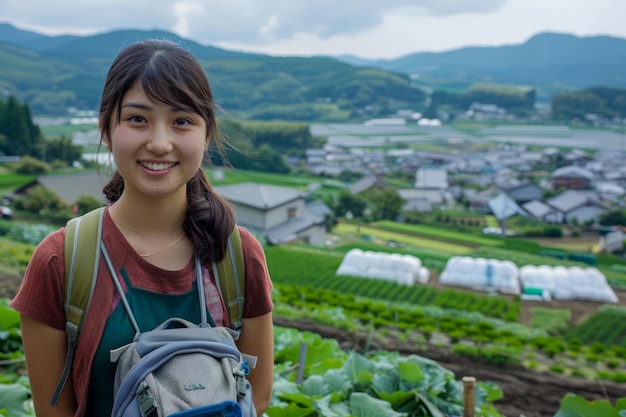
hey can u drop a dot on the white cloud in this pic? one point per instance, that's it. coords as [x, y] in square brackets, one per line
[232, 20]
[183, 10]
[454, 7]
[368, 28]
[270, 27]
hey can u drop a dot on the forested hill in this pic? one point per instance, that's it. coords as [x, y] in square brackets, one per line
[52, 73]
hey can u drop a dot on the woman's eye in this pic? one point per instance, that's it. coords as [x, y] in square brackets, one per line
[136, 119]
[182, 122]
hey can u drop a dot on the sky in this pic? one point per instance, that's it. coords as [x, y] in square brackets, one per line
[370, 29]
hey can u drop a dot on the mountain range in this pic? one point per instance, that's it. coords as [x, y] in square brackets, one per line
[547, 60]
[52, 73]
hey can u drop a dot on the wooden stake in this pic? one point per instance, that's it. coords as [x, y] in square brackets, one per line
[469, 383]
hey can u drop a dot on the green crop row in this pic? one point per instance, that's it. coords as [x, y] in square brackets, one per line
[490, 337]
[607, 326]
[402, 315]
[318, 270]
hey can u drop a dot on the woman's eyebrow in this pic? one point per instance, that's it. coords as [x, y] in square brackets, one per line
[140, 106]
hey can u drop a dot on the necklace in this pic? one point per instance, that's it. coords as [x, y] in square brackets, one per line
[146, 255]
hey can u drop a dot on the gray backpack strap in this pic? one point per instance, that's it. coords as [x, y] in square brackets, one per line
[82, 257]
[120, 290]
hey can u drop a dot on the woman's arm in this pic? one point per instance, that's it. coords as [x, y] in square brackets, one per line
[257, 339]
[45, 349]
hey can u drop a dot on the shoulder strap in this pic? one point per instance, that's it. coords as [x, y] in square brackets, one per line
[230, 277]
[82, 257]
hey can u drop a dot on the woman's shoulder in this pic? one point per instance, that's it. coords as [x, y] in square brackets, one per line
[51, 245]
[249, 242]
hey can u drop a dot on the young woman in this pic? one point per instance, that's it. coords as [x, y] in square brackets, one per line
[157, 117]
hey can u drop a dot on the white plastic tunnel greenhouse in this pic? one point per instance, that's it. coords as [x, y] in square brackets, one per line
[403, 269]
[568, 283]
[482, 274]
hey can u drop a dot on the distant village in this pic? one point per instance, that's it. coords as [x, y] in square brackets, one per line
[565, 184]
[573, 187]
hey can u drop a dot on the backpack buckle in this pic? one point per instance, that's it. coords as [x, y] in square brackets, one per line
[240, 382]
[146, 401]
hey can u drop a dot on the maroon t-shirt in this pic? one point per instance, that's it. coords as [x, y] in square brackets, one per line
[41, 296]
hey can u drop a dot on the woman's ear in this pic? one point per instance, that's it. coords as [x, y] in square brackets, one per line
[104, 138]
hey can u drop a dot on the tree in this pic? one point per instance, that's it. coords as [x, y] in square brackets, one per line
[613, 217]
[263, 159]
[62, 149]
[577, 104]
[348, 202]
[86, 203]
[19, 135]
[35, 136]
[30, 166]
[15, 128]
[39, 200]
[349, 176]
[386, 204]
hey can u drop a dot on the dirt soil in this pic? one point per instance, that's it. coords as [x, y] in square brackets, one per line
[526, 393]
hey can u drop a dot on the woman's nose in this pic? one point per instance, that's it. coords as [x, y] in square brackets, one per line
[160, 140]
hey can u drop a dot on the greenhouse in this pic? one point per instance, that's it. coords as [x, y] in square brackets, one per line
[571, 283]
[533, 282]
[403, 269]
[481, 274]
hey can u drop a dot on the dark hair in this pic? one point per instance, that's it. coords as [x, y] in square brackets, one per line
[170, 74]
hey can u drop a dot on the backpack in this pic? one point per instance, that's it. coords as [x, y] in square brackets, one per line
[83, 247]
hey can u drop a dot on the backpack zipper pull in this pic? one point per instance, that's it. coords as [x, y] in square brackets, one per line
[240, 379]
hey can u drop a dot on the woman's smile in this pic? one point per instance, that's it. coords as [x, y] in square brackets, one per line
[157, 166]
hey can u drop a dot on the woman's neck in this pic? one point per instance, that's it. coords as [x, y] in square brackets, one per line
[148, 219]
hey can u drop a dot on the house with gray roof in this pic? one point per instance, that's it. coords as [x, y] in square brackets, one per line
[420, 200]
[365, 183]
[432, 177]
[541, 211]
[503, 207]
[572, 177]
[320, 209]
[479, 201]
[277, 213]
[582, 206]
[422, 205]
[431, 184]
[578, 157]
[524, 192]
[69, 187]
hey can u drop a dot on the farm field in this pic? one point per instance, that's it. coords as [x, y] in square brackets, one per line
[532, 393]
[528, 393]
[416, 241]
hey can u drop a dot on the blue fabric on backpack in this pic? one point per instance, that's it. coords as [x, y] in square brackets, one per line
[224, 409]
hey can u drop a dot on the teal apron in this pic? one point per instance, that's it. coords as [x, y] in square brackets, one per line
[150, 310]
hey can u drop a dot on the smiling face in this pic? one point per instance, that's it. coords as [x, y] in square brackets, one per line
[161, 75]
[157, 147]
